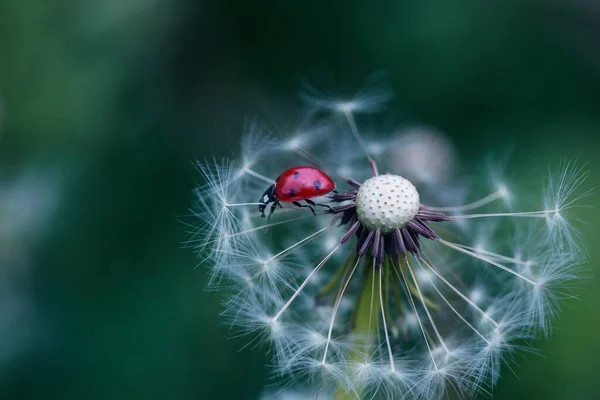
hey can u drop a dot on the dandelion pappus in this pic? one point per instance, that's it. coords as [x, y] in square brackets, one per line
[301, 183]
[410, 258]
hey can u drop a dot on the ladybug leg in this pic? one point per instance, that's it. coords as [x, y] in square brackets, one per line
[297, 204]
[329, 209]
[273, 207]
[312, 203]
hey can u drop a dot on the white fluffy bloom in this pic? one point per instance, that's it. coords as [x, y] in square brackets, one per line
[391, 291]
[422, 154]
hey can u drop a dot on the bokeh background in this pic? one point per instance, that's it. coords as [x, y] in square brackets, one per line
[104, 105]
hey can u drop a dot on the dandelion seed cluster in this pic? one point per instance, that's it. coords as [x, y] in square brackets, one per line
[399, 289]
[386, 202]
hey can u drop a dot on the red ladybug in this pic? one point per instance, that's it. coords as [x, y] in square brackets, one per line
[297, 184]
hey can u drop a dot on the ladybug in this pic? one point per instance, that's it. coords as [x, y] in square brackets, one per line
[297, 184]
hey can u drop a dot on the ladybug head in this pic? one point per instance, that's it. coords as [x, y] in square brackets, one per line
[267, 197]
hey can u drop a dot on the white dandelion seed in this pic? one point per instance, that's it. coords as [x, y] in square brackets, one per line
[382, 289]
[423, 154]
[372, 97]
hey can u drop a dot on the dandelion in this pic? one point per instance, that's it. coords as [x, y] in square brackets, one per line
[389, 290]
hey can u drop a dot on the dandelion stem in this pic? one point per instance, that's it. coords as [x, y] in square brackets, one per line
[312, 235]
[365, 330]
[336, 307]
[356, 133]
[460, 294]
[433, 324]
[534, 214]
[397, 296]
[264, 227]
[385, 328]
[386, 295]
[367, 341]
[303, 153]
[493, 255]
[259, 176]
[241, 204]
[430, 303]
[486, 259]
[331, 284]
[301, 287]
[490, 198]
[414, 308]
[452, 307]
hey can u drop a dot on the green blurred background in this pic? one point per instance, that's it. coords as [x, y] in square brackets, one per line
[105, 104]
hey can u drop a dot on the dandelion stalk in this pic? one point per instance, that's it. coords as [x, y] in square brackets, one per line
[364, 329]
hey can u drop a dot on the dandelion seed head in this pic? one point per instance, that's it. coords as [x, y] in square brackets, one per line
[295, 142]
[371, 97]
[386, 202]
[254, 145]
[377, 289]
[477, 295]
[377, 148]
[504, 192]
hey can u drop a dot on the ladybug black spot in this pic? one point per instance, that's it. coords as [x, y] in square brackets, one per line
[296, 175]
[317, 185]
[292, 192]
